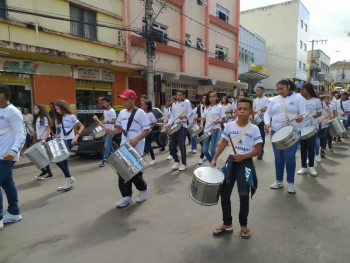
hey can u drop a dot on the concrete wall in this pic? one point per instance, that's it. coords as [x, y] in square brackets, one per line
[303, 15]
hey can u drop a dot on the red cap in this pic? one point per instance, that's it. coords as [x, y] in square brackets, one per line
[128, 94]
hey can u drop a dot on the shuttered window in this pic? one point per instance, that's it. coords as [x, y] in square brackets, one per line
[80, 28]
[3, 11]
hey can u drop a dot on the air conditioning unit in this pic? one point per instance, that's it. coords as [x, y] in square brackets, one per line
[200, 45]
[201, 2]
[188, 41]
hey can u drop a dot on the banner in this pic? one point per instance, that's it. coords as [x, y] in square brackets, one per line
[91, 73]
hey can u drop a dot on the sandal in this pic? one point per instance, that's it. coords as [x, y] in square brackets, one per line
[223, 231]
[245, 232]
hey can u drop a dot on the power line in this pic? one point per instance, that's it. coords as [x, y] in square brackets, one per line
[137, 16]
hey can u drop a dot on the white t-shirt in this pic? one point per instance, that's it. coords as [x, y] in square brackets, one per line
[250, 138]
[138, 125]
[263, 102]
[28, 118]
[295, 104]
[228, 107]
[151, 118]
[346, 107]
[109, 115]
[194, 115]
[325, 123]
[166, 112]
[40, 129]
[216, 112]
[313, 106]
[12, 140]
[69, 121]
[184, 107]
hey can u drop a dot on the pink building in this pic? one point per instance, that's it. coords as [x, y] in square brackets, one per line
[197, 53]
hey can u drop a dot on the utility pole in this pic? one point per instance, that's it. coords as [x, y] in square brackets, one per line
[312, 71]
[150, 48]
[343, 75]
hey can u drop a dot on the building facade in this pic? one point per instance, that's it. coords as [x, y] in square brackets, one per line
[340, 71]
[323, 75]
[285, 28]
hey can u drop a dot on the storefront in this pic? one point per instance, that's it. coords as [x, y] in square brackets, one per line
[90, 85]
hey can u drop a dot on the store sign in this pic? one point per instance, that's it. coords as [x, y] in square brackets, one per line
[34, 67]
[90, 111]
[91, 73]
[315, 82]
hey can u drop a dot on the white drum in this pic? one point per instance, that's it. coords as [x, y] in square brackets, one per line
[38, 155]
[308, 131]
[57, 150]
[285, 137]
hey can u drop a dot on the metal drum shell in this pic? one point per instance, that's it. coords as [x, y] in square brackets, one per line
[174, 128]
[37, 155]
[57, 150]
[207, 134]
[336, 127]
[127, 162]
[206, 193]
[258, 119]
[309, 134]
[288, 141]
[98, 132]
[194, 129]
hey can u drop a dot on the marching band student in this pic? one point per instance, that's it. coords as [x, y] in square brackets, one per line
[200, 114]
[227, 108]
[110, 118]
[307, 146]
[324, 121]
[215, 116]
[146, 105]
[12, 137]
[333, 107]
[173, 99]
[259, 106]
[343, 108]
[239, 166]
[43, 125]
[67, 121]
[296, 108]
[190, 121]
[166, 116]
[28, 121]
[135, 135]
[180, 111]
[243, 94]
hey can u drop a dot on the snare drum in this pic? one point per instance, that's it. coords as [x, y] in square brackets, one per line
[207, 134]
[127, 162]
[174, 128]
[257, 120]
[308, 131]
[285, 137]
[98, 132]
[336, 127]
[194, 129]
[57, 150]
[38, 155]
[206, 185]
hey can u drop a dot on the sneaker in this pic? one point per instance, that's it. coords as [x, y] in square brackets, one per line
[260, 157]
[190, 151]
[125, 201]
[38, 177]
[334, 139]
[1, 224]
[69, 184]
[8, 218]
[339, 140]
[47, 177]
[205, 159]
[318, 158]
[323, 154]
[312, 171]
[103, 163]
[194, 151]
[302, 171]
[153, 162]
[162, 150]
[183, 167]
[142, 195]
[200, 161]
[276, 185]
[330, 148]
[169, 157]
[291, 189]
[176, 166]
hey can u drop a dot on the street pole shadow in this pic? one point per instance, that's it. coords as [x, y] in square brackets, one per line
[28, 185]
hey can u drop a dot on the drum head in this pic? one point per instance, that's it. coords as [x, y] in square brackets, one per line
[306, 130]
[209, 175]
[282, 133]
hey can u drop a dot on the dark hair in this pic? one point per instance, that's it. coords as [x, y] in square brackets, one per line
[198, 101]
[244, 93]
[52, 103]
[193, 102]
[246, 100]
[65, 109]
[260, 87]
[287, 82]
[149, 105]
[207, 101]
[310, 89]
[42, 114]
[4, 89]
[182, 91]
[106, 99]
[144, 97]
[226, 100]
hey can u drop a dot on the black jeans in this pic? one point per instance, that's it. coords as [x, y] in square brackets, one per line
[307, 150]
[126, 188]
[47, 169]
[64, 164]
[261, 127]
[329, 139]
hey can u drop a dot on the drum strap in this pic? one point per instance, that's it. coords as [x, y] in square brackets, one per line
[258, 103]
[341, 106]
[210, 116]
[285, 109]
[131, 118]
[64, 130]
[5, 130]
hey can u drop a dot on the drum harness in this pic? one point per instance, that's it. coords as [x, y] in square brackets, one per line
[131, 118]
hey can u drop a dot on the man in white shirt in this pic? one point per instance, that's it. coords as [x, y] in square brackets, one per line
[12, 137]
[110, 118]
[259, 106]
[181, 112]
[28, 121]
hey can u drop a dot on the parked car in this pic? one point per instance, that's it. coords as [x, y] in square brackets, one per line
[87, 144]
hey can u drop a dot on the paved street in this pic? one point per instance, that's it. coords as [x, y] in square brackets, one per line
[83, 225]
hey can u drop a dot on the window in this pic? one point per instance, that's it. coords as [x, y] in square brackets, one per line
[3, 11]
[252, 57]
[188, 40]
[79, 28]
[299, 64]
[246, 55]
[305, 27]
[301, 44]
[242, 54]
[201, 2]
[160, 32]
[222, 13]
[304, 66]
[302, 24]
[221, 53]
[200, 44]
[305, 47]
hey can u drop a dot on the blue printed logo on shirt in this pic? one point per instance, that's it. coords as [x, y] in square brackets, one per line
[2, 117]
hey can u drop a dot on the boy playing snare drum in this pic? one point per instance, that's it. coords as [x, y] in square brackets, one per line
[240, 166]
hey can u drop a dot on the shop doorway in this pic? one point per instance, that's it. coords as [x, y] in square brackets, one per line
[21, 96]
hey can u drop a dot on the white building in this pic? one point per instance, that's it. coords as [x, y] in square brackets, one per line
[285, 28]
[252, 59]
[323, 62]
[341, 74]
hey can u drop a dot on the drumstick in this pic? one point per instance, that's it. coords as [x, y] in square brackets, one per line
[98, 121]
[233, 147]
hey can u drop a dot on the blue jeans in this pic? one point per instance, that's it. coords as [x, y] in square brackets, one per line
[285, 158]
[194, 143]
[347, 123]
[213, 139]
[7, 183]
[108, 146]
[318, 140]
[148, 144]
[324, 136]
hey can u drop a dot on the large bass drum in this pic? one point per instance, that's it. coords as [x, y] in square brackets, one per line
[206, 185]
[285, 137]
[57, 150]
[336, 127]
[38, 155]
[127, 162]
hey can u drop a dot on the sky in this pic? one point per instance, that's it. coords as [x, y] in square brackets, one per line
[329, 19]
